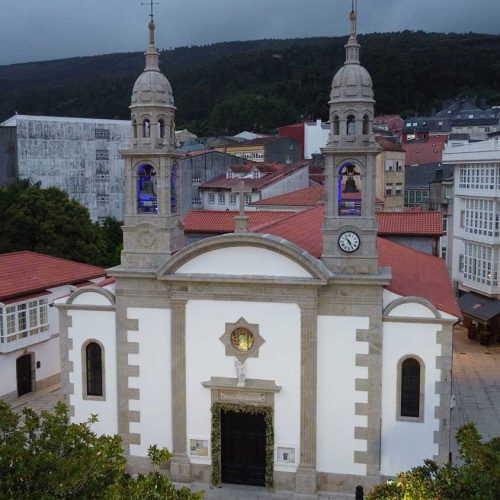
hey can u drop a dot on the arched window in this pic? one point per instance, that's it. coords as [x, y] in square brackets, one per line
[94, 369]
[134, 127]
[366, 125]
[351, 125]
[349, 191]
[161, 129]
[146, 128]
[173, 189]
[147, 199]
[336, 125]
[410, 388]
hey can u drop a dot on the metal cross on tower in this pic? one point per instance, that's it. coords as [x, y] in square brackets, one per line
[151, 4]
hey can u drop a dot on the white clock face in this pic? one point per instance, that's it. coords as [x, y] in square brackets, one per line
[349, 241]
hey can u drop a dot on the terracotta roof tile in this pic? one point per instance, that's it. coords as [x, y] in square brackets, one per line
[306, 197]
[213, 221]
[410, 223]
[414, 273]
[276, 175]
[23, 273]
[388, 145]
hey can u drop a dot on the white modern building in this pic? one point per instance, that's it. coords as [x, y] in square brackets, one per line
[310, 358]
[29, 326]
[476, 232]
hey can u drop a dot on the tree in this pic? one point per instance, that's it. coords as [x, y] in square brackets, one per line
[44, 456]
[47, 221]
[477, 479]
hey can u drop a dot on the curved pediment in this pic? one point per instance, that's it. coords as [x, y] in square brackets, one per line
[411, 307]
[255, 255]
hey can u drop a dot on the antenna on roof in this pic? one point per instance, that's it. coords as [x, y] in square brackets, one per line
[152, 4]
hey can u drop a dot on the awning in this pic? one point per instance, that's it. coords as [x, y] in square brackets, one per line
[478, 306]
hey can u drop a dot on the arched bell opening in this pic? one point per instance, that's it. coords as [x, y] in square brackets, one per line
[146, 129]
[366, 125]
[351, 125]
[349, 190]
[161, 128]
[336, 125]
[147, 198]
[134, 128]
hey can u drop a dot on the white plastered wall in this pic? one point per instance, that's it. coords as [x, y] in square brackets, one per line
[406, 444]
[337, 395]
[154, 381]
[243, 261]
[279, 360]
[47, 353]
[98, 325]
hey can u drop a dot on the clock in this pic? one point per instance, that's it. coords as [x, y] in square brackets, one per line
[349, 241]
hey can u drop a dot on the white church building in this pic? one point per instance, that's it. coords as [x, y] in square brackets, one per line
[253, 357]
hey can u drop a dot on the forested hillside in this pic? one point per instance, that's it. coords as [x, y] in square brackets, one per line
[227, 87]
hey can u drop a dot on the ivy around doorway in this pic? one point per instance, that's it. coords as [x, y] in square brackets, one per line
[217, 409]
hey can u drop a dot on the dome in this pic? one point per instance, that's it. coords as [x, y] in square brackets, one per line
[352, 82]
[152, 87]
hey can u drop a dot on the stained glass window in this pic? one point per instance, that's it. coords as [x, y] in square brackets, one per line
[242, 339]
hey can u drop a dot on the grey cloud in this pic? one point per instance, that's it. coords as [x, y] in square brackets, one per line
[51, 29]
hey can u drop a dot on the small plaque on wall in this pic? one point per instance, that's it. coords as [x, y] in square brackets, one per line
[286, 455]
[198, 447]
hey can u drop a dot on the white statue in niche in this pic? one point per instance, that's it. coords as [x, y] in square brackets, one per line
[240, 372]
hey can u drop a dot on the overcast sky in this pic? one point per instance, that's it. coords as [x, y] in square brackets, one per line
[34, 30]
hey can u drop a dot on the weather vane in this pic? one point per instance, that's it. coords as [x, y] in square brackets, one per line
[151, 4]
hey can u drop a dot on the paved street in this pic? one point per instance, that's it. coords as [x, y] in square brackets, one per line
[476, 385]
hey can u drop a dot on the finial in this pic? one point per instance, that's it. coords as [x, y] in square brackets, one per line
[151, 24]
[353, 17]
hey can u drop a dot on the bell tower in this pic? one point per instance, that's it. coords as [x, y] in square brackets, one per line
[152, 228]
[350, 225]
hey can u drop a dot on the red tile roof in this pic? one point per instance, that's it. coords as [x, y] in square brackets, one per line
[421, 153]
[213, 221]
[388, 145]
[414, 273]
[23, 273]
[410, 223]
[222, 182]
[306, 197]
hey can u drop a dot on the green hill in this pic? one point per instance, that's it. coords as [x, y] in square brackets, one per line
[226, 87]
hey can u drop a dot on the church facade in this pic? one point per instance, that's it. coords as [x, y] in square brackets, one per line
[254, 358]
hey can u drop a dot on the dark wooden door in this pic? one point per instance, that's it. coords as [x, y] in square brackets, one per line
[243, 442]
[23, 368]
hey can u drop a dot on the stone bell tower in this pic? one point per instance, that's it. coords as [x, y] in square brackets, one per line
[152, 228]
[350, 226]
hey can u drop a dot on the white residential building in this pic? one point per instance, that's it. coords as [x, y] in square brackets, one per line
[476, 236]
[29, 327]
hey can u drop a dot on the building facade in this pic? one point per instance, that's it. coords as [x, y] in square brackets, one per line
[260, 181]
[277, 333]
[78, 155]
[29, 327]
[390, 177]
